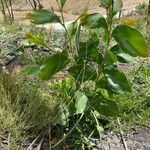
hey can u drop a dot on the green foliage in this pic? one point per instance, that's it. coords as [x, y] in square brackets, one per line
[93, 21]
[81, 103]
[130, 40]
[43, 16]
[26, 107]
[53, 64]
[62, 2]
[93, 70]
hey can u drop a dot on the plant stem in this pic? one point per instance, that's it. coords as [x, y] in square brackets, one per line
[63, 24]
[72, 129]
[109, 21]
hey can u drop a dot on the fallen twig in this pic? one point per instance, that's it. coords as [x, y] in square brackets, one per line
[121, 134]
[30, 146]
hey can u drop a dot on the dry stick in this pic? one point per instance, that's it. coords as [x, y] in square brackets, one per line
[122, 137]
[30, 146]
[40, 144]
[9, 141]
[11, 10]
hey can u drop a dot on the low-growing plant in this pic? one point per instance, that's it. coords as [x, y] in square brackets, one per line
[94, 78]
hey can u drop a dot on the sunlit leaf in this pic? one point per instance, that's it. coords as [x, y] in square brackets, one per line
[81, 103]
[121, 55]
[72, 30]
[43, 16]
[117, 80]
[53, 64]
[39, 40]
[106, 107]
[118, 4]
[94, 21]
[130, 40]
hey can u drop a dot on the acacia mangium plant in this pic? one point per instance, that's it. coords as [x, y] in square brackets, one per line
[89, 63]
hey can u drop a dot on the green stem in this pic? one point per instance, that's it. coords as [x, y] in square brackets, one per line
[64, 26]
[76, 124]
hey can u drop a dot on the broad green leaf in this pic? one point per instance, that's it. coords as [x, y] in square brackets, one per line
[89, 50]
[72, 30]
[106, 107]
[104, 85]
[94, 21]
[62, 2]
[53, 64]
[105, 3]
[118, 4]
[31, 70]
[81, 103]
[43, 16]
[109, 58]
[117, 80]
[121, 56]
[130, 40]
[83, 73]
[63, 118]
[39, 40]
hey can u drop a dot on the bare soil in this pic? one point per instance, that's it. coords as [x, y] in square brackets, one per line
[137, 139]
[72, 8]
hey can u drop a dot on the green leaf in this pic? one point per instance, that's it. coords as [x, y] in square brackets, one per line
[39, 40]
[72, 30]
[89, 50]
[62, 2]
[106, 107]
[117, 80]
[63, 118]
[83, 73]
[82, 103]
[130, 40]
[43, 16]
[121, 56]
[94, 21]
[106, 3]
[31, 70]
[109, 58]
[103, 84]
[118, 4]
[53, 64]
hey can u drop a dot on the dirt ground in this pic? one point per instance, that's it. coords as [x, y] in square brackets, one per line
[72, 8]
[137, 139]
